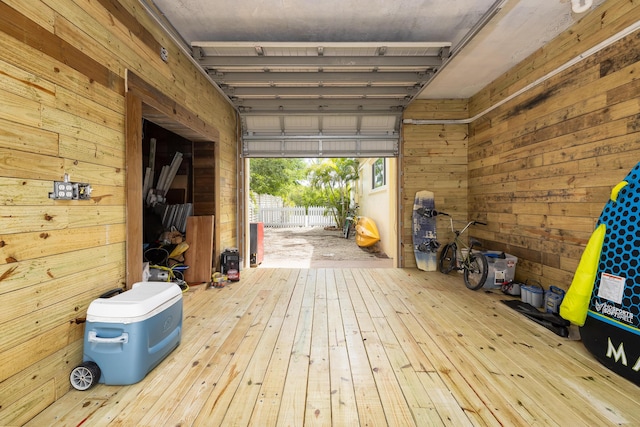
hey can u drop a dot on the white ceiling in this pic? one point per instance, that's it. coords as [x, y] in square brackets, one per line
[283, 61]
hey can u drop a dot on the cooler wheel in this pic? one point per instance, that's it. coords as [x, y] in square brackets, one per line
[85, 376]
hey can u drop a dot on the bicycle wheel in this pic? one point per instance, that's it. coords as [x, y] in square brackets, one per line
[346, 230]
[447, 260]
[475, 272]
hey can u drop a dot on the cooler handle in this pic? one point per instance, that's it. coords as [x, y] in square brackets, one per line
[93, 337]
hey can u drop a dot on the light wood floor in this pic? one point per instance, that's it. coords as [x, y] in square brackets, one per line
[348, 347]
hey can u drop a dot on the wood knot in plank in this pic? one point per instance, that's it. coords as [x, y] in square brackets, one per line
[8, 273]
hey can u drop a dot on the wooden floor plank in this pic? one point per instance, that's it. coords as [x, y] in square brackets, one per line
[436, 338]
[445, 404]
[394, 404]
[478, 359]
[293, 406]
[519, 342]
[396, 341]
[476, 356]
[376, 347]
[410, 361]
[229, 304]
[217, 354]
[267, 406]
[239, 409]
[215, 407]
[318, 405]
[370, 412]
[344, 410]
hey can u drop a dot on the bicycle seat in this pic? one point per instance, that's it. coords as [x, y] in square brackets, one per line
[474, 242]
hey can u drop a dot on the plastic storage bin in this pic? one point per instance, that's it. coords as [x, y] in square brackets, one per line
[552, 299]
[501, 270]
[127, 335]
[532, 294]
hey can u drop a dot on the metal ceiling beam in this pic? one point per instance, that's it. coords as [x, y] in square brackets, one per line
[318, 148]
[286, 153]
[386, 91]
[343, 112]
[350, 137]
[266, 45]
[422, 62]
[287, 105]
[380, 77]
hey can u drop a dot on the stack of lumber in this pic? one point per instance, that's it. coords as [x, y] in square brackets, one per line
[167, 175]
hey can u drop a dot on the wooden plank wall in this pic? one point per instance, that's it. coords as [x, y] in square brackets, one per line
[541, 167]
[433, 157]
[62, 83]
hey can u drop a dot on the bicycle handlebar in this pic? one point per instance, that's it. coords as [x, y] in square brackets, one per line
[431, 213]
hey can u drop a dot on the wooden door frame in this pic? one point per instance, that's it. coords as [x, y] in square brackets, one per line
[185, 123]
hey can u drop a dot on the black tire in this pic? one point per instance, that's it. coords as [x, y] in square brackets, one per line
[346, 230]
[447, 259]
[475, 274]
[85, 376]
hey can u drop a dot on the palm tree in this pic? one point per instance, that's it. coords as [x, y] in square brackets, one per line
[335, 178]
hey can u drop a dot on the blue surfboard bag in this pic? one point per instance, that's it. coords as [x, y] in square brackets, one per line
[611, 331]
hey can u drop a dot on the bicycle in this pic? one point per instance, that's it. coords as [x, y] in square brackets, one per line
[349, 221]
[457, 255]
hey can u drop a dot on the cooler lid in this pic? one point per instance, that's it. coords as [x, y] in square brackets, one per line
[142, 299]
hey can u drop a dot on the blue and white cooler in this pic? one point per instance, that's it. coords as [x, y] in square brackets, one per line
[126, 336]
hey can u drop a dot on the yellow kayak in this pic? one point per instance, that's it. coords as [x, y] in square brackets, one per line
[366, 232]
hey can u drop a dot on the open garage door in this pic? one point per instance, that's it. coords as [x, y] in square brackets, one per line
[320, 100]
[320, 136]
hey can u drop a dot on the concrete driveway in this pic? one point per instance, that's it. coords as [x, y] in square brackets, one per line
[316, 247]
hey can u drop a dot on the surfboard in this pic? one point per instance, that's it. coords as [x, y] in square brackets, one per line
[611, 331]
[424, 231]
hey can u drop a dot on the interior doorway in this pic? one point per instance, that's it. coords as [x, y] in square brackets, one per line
[146, 104]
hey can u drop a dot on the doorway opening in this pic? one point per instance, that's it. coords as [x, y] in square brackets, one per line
[147, 108]
[293, 236]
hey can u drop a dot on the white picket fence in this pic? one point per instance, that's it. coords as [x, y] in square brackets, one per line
[271, 211]
[317, 216]
[284, 217]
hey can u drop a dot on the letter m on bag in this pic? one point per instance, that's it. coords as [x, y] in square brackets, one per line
[618, 354]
